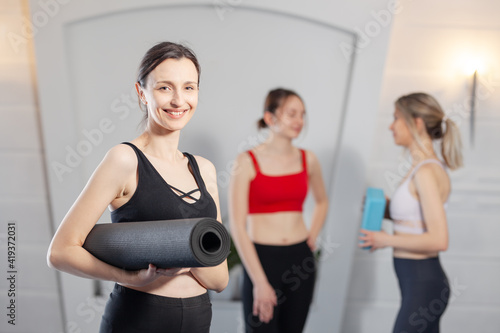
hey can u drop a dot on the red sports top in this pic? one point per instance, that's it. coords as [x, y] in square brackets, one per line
[270, 194]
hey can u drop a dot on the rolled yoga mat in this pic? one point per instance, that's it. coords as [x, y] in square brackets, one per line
[196, 242]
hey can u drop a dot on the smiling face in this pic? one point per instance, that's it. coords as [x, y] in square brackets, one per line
[401, 132]
[170, 94]
[289, 118]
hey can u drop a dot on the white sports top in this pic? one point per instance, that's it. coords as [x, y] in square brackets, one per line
[405, 209]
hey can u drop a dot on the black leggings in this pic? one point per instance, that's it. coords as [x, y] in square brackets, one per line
[291, 271]
[132, 311]
[424, 295]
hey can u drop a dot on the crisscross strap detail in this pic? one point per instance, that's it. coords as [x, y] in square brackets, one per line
[184, 194]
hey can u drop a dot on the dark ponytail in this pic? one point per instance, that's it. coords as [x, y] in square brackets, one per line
[261, 123]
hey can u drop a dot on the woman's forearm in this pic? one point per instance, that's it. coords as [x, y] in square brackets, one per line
[78, 261]
[318, 218]
[213, 278]
[249, 257]
[424, 243]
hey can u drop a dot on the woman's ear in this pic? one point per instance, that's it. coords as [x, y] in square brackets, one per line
[140, 93]
[419, 123]
[269, 118]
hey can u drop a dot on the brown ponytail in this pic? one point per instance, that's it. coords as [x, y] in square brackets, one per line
[261, 123]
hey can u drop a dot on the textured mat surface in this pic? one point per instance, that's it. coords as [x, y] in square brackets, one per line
[196, 242]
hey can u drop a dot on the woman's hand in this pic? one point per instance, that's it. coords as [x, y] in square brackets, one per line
[172, 271]
[145, 276]
[264, 301]
[311, 242]
[375, 239]
[142, 277]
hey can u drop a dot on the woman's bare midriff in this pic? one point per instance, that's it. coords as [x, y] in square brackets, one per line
[403, 254]
[180, 286]
[280, 228]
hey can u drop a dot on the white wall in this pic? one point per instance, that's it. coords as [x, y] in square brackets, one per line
[429, 46]
[23, 191]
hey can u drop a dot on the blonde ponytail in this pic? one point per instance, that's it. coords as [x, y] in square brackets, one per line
[451, 146]
[424, 106]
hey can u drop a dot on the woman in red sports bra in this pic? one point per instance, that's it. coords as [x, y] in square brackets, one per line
[267, 192]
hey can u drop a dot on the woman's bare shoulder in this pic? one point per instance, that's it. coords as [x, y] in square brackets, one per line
[121, 157]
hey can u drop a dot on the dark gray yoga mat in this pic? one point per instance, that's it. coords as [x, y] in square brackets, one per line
[196, 242]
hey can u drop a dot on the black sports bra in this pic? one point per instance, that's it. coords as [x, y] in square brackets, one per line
[154, 199]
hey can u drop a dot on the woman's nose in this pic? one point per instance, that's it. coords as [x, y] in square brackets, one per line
[177, 99]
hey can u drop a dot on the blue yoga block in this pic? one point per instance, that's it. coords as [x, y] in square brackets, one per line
[373, 210]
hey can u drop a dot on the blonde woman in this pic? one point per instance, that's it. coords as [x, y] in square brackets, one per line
[418, 209]
[267, 192]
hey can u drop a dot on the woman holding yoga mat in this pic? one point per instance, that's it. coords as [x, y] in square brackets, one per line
[418, 209]
[267, 192]
[143, 180]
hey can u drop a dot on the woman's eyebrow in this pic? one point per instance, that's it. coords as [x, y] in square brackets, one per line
[170, 82]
